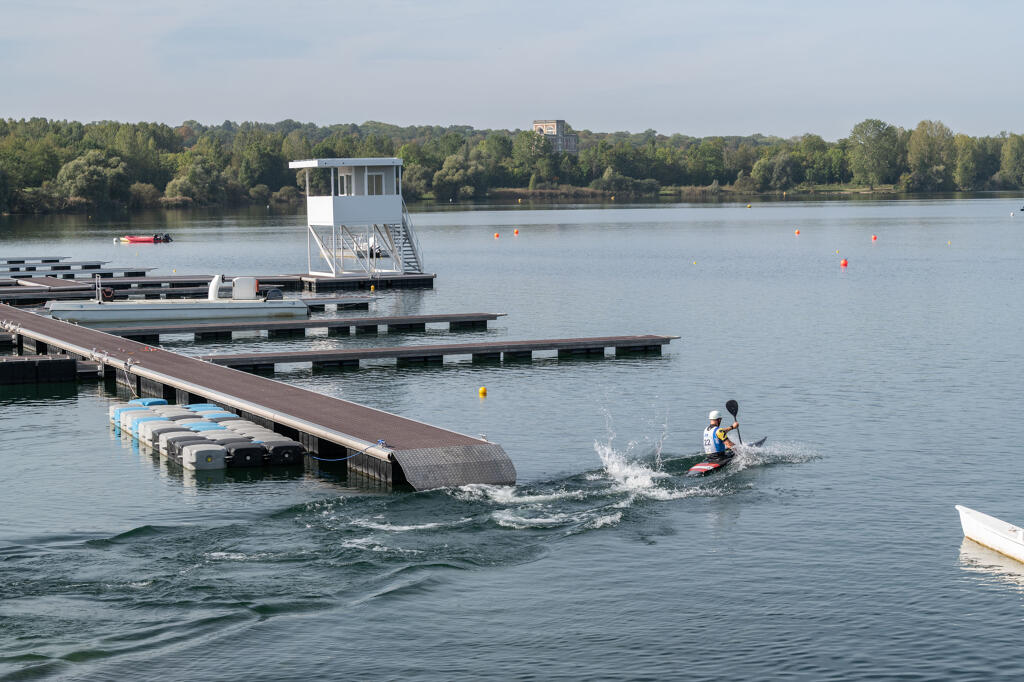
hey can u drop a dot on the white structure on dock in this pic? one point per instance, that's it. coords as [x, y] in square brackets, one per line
[362, 225]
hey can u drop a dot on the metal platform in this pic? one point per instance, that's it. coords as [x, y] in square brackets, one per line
[483, 351]
[333, 428]
[30, 259]
[81, 275]
[76, 265]
[378, 280]
[38, 295]
[335, 326]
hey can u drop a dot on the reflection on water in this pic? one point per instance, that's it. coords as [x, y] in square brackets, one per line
[990, 565]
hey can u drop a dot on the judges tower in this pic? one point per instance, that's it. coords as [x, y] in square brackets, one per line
[362, 224]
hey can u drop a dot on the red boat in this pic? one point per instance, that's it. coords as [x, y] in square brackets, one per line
[144, 239]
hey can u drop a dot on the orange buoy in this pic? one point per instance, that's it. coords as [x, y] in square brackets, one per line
[496, 235]
[843, 263]
[874, 237]
[796, 232]
[516, 232]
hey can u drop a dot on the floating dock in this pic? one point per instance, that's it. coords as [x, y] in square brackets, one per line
[378, 444]
[39, 288]
[425, 354]
[33, 259]
[336, 326]
[80, 273]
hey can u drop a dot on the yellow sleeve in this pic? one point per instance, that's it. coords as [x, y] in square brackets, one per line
[720, 434]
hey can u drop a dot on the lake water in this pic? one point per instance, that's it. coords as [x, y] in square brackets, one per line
[889, 391]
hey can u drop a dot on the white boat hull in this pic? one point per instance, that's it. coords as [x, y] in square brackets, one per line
[993, 533]
[136, 311]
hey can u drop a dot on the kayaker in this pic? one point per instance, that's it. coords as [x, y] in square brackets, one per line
[716, 440]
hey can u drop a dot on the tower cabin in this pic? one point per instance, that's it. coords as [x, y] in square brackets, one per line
[361, 225]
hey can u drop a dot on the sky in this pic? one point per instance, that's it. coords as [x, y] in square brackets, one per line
[781, 68]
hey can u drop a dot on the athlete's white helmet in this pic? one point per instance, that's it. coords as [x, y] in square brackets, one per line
[715, 414]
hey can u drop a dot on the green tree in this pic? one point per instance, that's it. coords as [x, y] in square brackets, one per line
[528, 150]
[455, 174]
[965, 174]
[1011, 166]
[94, 178]
[296, 147]
[930, 157]
[200, 181]
[415, 181]
[873, 152]
[143, 195]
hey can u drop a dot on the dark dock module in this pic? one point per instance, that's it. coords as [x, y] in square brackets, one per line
[335, 326]
[419, 355]
[317, 283]
[37, 369]
[371, 442]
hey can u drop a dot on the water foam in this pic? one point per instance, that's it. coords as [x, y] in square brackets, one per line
[781, 452]
[508, 494]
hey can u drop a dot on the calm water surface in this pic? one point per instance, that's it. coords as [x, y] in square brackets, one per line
[889, 393]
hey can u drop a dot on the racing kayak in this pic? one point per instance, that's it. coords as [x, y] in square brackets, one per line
[716, 462]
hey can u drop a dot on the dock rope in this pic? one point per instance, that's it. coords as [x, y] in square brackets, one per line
[128, 378]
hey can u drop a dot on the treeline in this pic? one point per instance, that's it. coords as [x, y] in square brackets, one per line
[48, 165]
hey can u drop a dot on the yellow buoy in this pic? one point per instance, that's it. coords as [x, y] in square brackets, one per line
[483, 391]
[748, 205]
[373, 287]
[694, 262]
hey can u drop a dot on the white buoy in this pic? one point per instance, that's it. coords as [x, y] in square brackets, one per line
[202, 456]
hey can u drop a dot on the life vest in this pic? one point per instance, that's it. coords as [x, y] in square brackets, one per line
[714, 440]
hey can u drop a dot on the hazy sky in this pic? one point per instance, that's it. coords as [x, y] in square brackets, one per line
[698, 68]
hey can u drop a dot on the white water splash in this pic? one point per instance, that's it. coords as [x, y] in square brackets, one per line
[627, 476]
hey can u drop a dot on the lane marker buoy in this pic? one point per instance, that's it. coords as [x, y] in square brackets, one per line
[796, 232]
[483, 391]
[843, 263]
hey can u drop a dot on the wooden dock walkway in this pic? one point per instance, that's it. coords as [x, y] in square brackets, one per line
[340, 326]
[381, 445]
[483, 351]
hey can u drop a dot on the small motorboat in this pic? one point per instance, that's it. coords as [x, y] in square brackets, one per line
[993, 533]
[245, 303]
[143, 239]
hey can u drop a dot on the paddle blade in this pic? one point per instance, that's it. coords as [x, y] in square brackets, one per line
[733, 407]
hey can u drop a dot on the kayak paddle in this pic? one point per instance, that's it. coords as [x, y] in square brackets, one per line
[734, 408]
